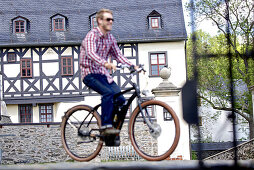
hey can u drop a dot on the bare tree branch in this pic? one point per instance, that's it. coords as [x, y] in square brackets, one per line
[225, 108]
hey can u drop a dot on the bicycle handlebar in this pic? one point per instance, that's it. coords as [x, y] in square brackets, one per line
[131, 68]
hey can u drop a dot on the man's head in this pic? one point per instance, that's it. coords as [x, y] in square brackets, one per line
[104, 19]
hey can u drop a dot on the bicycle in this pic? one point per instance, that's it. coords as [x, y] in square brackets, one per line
[82, 139]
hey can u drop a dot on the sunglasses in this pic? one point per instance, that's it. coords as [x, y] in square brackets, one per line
[109, 19]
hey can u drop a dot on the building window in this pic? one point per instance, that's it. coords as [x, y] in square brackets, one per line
[167, 116]
[93, 22]
[59, 24]
[25, 113]
[20, 25]
[154, 20]
[67, 65]
[26, 67]
[46, 113]
[11, 57]
[157, 62]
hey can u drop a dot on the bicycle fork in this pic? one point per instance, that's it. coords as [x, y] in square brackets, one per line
[147, 120]
[154, 128]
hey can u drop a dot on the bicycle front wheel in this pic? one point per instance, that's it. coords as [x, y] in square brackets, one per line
[80, 133]
[157, 139]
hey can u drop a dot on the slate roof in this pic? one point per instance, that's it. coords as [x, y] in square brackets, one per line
[130, 24]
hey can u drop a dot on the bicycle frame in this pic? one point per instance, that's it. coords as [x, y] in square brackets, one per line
[123, 112]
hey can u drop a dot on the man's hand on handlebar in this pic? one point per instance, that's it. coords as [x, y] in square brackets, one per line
[136, 67]
[110, 66]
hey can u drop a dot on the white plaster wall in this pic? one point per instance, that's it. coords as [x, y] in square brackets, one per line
[61, 108]
[12, 111]
[50, 54]
[177, 63]
[15, 70]
[68, 51]
[183, 147]
[36, 114]
[176, 60]
[50, 69]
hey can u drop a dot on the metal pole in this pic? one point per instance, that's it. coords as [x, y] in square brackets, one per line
[196, 76]
[232, 115]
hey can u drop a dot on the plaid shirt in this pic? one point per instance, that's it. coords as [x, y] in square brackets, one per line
[95, 51]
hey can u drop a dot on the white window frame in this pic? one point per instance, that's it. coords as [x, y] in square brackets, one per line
[150, 62]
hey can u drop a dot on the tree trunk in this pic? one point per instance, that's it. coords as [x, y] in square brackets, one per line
[251, 126]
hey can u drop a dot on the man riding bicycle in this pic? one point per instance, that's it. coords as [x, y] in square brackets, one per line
[98, 45]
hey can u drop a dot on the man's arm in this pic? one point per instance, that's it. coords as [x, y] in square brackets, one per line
[90, 47]
[116, 53]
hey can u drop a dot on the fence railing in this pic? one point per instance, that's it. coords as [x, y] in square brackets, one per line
[120, 153]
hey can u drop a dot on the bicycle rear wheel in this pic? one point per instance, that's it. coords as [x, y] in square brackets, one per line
[81, 147]
[159, 142]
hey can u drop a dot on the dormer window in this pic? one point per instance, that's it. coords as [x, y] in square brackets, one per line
[154, 20]
[59, 23]
[20, 25]
[93, 22]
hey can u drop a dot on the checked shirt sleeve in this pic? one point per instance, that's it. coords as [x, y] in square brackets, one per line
[90, 46]
[116, 53]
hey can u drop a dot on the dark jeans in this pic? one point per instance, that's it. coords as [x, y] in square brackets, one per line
[99, 83]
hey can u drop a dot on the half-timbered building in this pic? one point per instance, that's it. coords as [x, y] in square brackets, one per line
[40, 44]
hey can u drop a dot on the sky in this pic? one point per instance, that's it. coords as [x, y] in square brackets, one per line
[206, 25]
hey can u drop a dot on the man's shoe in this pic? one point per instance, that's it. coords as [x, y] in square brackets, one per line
[112, 140]
[110, 131]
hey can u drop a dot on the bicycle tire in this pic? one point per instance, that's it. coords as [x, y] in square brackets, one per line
[147, 146]
[73, 143]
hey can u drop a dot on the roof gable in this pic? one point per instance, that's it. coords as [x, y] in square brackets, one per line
[154, 13]
[19, 17]
[58, 15]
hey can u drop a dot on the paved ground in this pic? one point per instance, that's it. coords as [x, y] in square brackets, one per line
[178, 165]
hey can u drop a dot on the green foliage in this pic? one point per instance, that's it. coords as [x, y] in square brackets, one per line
[194, 155]
[213, 73]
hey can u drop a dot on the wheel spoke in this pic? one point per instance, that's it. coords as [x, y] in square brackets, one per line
[72, 125]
